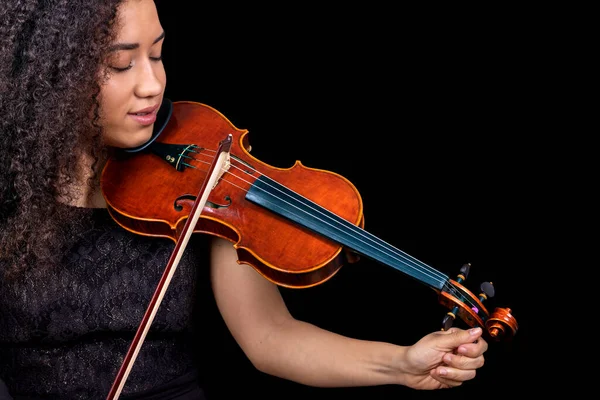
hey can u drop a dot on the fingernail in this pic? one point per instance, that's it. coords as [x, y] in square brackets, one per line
[474, 331]
[443, 371]
[448, 357]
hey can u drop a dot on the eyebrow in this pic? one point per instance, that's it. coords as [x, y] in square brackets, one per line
[133, 46]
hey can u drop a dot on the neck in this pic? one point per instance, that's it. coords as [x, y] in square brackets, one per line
[82, 192]
[96, 199]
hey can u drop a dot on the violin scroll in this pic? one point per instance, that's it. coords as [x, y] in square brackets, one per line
[501, 324]
[462, 303]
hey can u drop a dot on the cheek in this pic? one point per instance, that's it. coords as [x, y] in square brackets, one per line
[112, 98]
[162, 76]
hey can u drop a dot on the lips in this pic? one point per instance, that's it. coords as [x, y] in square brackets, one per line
[146, 110]
[145, 116]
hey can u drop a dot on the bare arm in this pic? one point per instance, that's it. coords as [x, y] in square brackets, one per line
[280, 345]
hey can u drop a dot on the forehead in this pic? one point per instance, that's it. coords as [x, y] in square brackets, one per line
[138, 18]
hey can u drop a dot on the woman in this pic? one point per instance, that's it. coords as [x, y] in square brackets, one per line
[79, 79]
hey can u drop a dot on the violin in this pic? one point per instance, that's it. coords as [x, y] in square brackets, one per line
[296, 226]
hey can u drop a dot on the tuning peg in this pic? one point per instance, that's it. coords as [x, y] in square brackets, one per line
[450, 316]
[487, 291]
[448, 321]
[499, 324]
[464, 272]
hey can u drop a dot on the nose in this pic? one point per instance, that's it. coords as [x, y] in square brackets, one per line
[151, 79]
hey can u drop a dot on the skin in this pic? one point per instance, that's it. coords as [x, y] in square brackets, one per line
[137, 77]
[252, 307]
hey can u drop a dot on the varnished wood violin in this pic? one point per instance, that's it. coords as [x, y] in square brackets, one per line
[296, 226]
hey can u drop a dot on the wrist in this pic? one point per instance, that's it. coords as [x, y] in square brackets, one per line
[400, 370]
[391, 364]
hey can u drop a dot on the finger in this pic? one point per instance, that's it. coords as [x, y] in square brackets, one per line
[461, 362]
[474, 349]
[455, 337]
[452, 376]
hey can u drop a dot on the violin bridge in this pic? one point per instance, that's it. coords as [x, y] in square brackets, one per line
[224, 168]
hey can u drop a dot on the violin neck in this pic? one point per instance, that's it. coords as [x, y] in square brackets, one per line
[281, 200]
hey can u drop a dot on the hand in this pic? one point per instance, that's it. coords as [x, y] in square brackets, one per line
[445, 359]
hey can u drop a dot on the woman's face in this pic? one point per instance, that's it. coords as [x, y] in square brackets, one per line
[133, 92]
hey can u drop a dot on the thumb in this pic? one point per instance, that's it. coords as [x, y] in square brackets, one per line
[456, 336]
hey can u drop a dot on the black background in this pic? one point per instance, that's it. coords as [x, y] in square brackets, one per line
[429, 115]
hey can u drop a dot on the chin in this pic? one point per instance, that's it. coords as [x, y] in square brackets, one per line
[128, 141]
[138, 142]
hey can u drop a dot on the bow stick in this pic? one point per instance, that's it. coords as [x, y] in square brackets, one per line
[219, 165]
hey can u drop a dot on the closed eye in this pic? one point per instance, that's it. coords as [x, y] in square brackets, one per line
[123, 69]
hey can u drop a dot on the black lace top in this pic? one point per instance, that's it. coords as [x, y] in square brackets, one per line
[64, 335]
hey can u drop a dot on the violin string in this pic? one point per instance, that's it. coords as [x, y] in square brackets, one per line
[445, 281]
[448, 285]
[409, 260]
[364, 234]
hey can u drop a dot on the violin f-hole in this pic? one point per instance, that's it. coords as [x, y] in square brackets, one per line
[188, 200]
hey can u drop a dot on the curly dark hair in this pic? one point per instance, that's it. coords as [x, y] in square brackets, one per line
[51, 57]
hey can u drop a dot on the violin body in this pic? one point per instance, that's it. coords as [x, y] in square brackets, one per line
[153, 198]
